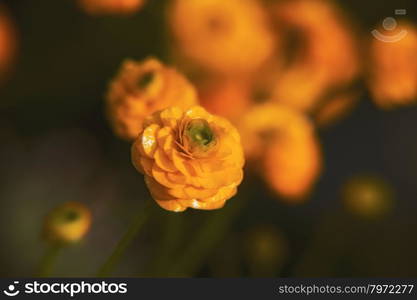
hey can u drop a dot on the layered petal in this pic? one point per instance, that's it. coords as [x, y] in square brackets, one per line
[190, 158]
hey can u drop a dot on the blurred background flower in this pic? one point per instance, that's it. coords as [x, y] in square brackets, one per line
[8, 42]
[368, 196]
[139, 90]
[67, 223]
[283, 147]
[393, 68]
[226, 37]
[322, 51]
[303, 81]
[110, 7]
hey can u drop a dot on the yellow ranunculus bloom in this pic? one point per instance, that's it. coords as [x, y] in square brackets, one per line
[67, 223]
[141, 88]
[104, 7]
[324, 57]
[229, 37]
[284, 141]
[393, 68]
[190, 158]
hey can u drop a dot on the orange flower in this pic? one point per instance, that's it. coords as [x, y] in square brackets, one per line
[393, 68]
[7, 41]
[190, 158]
[232, 96]
[104, 7]
[141, 89]
[285, 142]
[67, 223]
[325, 56]
[292, 165]
[222, 36]
[228, 98]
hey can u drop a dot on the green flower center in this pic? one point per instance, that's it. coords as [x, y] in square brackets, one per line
[145, 79]
[70, 216]
[200, 133]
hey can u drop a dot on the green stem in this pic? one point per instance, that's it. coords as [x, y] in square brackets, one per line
[49, 259]
[107, 268]
[210, 234]
[169, 244]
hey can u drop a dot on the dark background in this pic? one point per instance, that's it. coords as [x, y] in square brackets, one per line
[56, 146]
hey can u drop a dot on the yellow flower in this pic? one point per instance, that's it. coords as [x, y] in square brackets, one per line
[393, 68]
[7, 41]
[222, 36]
[139, 89]
[325, 57]
[67, 223]
[103, 7]
[190, 158]
[283, 145]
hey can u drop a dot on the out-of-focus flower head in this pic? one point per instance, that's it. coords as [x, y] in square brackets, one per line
[228, 98]
[232, 96]
[8, 41]
[190, 158]
[284, 140]
[228, 37]
[141, 88]
[109, 7]
[393, 68]
[368, 196]
[67, 223]
[324, 54]
[266, 250]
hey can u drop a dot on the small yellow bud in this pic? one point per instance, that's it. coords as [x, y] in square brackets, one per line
[67, 223]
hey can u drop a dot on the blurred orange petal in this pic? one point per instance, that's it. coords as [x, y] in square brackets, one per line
[393, 68]
[229, 37]
[324, 55]
[228, 98]
[284, 140]
[7, 41]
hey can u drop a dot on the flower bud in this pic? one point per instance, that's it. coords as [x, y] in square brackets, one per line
[67, 223]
